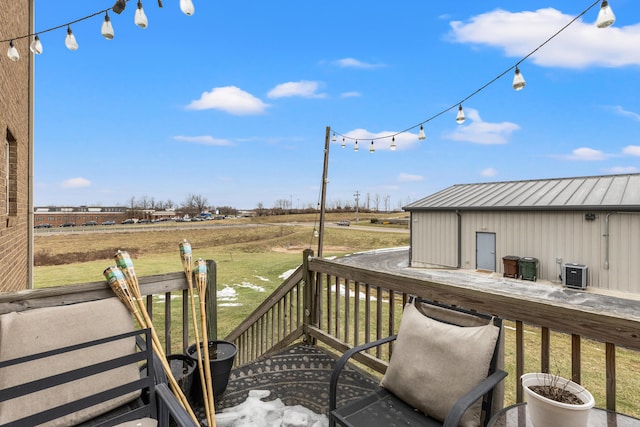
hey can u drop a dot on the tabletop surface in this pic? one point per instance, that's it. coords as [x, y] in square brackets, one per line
[516, 415]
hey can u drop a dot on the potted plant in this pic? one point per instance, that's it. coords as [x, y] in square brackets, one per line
[556, 401]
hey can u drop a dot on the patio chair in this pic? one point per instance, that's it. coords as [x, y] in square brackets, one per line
[442, 372]
[82, 364]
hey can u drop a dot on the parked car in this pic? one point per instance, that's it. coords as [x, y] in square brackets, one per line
[89, 223]
[344, 222]
[109, 223]
[129, 221]
[144, 221]
[43, 225]
[68, 224]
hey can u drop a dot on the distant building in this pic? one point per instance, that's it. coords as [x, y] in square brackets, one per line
[57, 216]
[16, 152]
[585, 226]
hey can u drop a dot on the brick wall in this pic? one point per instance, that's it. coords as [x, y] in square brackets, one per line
[14, 128]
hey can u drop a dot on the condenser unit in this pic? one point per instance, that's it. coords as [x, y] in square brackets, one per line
[574, 275]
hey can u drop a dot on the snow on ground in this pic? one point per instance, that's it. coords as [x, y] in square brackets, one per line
[254, 412]
[249, 285]
[264, 279]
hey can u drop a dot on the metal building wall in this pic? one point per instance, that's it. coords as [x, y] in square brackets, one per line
[551, 237]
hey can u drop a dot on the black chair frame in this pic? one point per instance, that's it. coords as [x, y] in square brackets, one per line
[156, 401]
[410, 416]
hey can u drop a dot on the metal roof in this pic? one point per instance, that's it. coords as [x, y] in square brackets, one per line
[609, 192]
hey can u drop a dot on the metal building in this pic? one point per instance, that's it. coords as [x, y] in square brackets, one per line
[584, 226]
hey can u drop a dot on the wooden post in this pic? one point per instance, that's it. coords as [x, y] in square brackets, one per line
[309, 302]
[211, 301]
[323, 199]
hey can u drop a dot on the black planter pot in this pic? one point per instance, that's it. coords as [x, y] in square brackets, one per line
[183, 369]
[221, 357]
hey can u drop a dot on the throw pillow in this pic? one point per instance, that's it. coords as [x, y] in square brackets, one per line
[435, 363]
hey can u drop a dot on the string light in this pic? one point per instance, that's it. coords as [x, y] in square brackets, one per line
[605, 19]
[355, 146]
[334, 137]
[12, 52]
[344, 143]
[460, 118]
[70, 41]
[140, 19]
[107, 28]
[393, 143]
[186, 6]
[36, 45]
[372, 149]
[421, 135]
[518, 80]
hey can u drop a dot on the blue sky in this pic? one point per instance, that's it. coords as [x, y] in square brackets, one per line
[232, 102]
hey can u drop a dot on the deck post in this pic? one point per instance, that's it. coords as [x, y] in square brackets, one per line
[309, 303]
[211, 301]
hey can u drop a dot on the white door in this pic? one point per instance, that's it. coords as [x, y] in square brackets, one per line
[486, 251]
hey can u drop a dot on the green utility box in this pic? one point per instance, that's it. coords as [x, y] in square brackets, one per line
[511, 266]
[528, 267]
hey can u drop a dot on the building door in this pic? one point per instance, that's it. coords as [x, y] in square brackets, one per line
[486, 251]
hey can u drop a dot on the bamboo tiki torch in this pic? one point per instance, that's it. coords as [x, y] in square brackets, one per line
[186, 255]
[125, 265]
[201, 285]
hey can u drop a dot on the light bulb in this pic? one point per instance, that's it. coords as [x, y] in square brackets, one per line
[186, 6]
[393, 143]
[355, 146]
[119, 6]
[518, 80]
[372, 149]
[12, 52]
[421, 135]
[159, 3]
[107, 28]
[70, 40]
[334, 137]
[460, 118]
[315, 233]
[36, 45]
[344, 143]
[606, 18]
[140, 18]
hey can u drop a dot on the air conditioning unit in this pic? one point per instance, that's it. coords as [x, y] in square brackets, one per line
[574, 275]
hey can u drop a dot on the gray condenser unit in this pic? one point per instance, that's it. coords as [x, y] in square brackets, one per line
[574, 275]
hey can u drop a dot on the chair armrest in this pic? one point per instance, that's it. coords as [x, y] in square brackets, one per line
[333, 383]
[459, 408]
[170, 409]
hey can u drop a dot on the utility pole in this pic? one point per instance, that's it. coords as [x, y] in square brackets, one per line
[357, 196]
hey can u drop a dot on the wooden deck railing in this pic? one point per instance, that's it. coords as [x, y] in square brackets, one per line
[343, 306]
[162, 310]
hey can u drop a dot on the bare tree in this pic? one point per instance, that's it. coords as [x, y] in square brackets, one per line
[194, 204]
[376, 202]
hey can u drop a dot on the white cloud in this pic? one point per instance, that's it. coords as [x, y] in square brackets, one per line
[303, 88]
[231, 99]
[480, 132]
[622, 169]
[489, 172]
[581, 45]
[354, 63]
[204, 140]
[622, 112]
[352, 94]
[407, 177]
[76, 183]
[586, 154]
[632, 150]
[382, 139]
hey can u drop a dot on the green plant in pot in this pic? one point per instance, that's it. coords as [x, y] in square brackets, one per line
[556, 401]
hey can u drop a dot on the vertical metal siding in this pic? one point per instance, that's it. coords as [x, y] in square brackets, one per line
[545, 235]
[434, 239]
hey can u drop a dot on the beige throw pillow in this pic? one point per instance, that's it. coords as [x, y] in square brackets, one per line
[434, 364]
